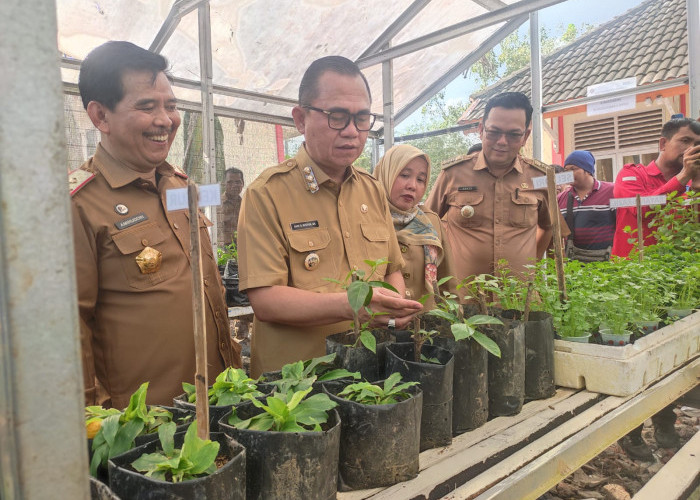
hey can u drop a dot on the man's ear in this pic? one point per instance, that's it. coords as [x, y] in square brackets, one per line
[527, 134]
[299, 116]
[662, 143]
[98, 115]
[481, 130]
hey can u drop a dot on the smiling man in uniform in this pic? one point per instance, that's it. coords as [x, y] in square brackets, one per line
[313, 218]
[486, 200]
[132, 255]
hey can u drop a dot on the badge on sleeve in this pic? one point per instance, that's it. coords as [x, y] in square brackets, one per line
[311, 261]
[149, 260]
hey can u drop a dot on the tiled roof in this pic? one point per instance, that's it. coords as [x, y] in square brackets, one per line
[649, 41]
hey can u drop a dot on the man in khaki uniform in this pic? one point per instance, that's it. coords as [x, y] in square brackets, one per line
[316, 217]
[132, 255]
[486, 200]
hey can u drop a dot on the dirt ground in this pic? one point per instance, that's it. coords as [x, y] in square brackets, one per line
[614, 467]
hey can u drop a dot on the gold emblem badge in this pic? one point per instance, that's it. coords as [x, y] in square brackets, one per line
[524, 185]
[311, 261]
[149, 260]
[467, 211]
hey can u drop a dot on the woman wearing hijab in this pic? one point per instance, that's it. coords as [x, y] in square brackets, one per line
[404, 172]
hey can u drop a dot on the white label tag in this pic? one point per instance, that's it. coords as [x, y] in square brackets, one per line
[632, 202]
[560, 178]
[209, 195]
[629, 178]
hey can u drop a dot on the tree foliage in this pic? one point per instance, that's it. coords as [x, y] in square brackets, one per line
[513, 52]
[438, 114]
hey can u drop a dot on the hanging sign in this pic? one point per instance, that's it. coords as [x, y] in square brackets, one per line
[560, 178]
[631, 202]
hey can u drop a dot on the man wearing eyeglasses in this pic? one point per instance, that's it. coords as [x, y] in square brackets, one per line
[487, 201]
[313, 219]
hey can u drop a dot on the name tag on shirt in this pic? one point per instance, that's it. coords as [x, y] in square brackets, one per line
[467, 188]
[131, 221]
[629, 178]
[299, 226]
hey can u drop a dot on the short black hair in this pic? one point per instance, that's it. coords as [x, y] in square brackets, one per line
[558, 169]
[671, 127]
[234, 170]
[102, 70]
[474, 148]
[308, 88]
[510, 100]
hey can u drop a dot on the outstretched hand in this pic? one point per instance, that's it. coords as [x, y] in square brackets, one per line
[390, 305]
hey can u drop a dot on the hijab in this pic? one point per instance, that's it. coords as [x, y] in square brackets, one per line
[412, 227]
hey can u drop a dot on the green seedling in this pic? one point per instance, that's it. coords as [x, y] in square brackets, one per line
[370, 394]
[228, 389]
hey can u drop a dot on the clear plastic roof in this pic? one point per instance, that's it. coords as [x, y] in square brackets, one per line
[264, 46]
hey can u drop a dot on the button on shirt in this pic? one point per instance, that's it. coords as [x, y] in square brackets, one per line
[507, 211]
[282, 222]
[137, 327]
[645, 181]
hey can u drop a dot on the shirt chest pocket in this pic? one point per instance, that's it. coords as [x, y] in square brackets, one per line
[376, 240]
[131, 242]
[466, 209]
[311, 259]
[523, 210]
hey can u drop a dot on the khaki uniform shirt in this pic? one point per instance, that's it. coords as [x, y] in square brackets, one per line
[228, 219]
[507, 211]
[138, 327]
[414, 268]
[283, 224]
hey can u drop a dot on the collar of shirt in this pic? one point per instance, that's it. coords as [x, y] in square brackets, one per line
[304, 160]
[482, 165]
[653, 169]
[119, 175]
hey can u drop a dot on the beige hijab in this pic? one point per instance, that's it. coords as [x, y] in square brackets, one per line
[412, 227]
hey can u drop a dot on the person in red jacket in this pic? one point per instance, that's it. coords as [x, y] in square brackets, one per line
[678, 163]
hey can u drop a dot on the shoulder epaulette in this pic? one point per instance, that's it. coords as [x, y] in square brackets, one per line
[79, 178]
[539, 165]
[284, 167]
[455, 161]
[179, 172]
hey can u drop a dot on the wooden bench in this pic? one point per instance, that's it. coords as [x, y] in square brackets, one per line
[679, 478]
[523, 456]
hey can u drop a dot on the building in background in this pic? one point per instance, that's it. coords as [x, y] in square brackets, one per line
[645, 50]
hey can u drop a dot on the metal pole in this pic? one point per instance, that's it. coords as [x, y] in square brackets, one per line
[42, 431]
[208, 137]
[388, 96]
[693, 9]
[536, 79]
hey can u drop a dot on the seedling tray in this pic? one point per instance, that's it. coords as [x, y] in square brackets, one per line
[622, 371]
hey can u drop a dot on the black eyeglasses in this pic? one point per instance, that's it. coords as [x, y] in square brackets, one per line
[338, 120]
[494, 135]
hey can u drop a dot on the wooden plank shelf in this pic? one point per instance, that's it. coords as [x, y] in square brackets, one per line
[524, 455]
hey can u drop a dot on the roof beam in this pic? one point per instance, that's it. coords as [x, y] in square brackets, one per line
[460, 67]
[179, 9]
[456, 30]
[395, 28]
[490, 4]
[239, 93]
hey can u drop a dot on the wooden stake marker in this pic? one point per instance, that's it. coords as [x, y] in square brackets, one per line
[638, 202]
[192, 198]
[554, 214]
